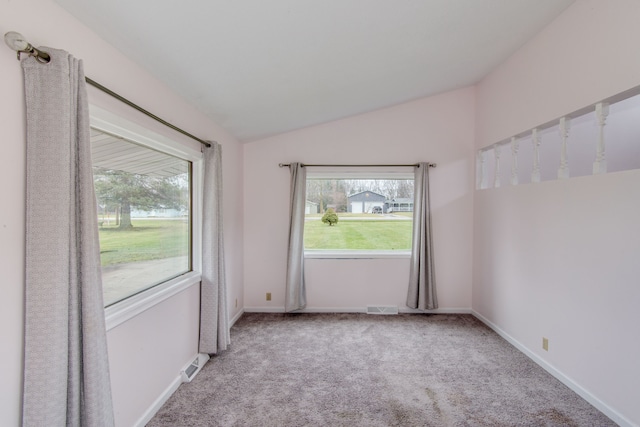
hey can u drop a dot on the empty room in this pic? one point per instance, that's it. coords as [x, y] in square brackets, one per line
[351, 213]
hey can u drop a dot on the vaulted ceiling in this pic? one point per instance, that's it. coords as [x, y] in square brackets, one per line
[260, 67]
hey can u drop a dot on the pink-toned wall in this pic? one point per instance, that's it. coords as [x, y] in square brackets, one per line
[555, 259]
[148, 351]
[559, 259]
[436, 129]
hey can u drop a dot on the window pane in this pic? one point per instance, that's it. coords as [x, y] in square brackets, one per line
[144, 215]
[372, 214]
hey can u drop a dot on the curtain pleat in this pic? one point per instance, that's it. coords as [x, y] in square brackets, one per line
[66, 369]
[214, 318]
[295, 293]
[422, 288]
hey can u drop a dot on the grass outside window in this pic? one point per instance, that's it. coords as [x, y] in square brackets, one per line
[149, 239]
[358, 234]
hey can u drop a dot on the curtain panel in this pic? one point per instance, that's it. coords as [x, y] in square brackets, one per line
[295, 292]
[66, 370]
[214, 317]
[422, 287]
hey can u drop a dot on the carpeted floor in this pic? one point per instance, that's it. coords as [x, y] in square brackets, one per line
[367, 370]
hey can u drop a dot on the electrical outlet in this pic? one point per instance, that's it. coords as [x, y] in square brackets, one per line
[268, 296]
[545, 344]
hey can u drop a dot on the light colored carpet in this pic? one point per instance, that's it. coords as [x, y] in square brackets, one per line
[366, 370]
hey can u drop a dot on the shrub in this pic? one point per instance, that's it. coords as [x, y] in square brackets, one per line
[330, 217]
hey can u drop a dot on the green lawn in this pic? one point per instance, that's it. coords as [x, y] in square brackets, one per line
[407, 214]
[147, 240]
[158, 239]
[355, 234]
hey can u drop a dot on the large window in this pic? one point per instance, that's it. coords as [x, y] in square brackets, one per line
[363, 213]
[149, 194]
[144, 215]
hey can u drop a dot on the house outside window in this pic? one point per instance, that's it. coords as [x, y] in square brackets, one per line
[374, 216]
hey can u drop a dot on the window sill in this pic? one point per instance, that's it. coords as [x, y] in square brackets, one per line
[126, 309]
[355, 254]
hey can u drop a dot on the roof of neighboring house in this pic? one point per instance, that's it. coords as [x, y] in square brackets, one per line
[401, 200]
[364, 192]
[312, 203]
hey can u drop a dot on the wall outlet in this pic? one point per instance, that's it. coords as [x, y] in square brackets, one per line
[545, 344]
[268, 296]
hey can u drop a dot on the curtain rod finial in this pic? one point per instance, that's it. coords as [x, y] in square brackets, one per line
[17, 42]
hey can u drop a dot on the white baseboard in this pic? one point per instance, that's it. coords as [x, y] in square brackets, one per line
[161, 400]
[166, 394]
[306, 310]
[235, 318]
[264, 309]
[333, 310]
[452, 310]
[355, 310]
[586, 395]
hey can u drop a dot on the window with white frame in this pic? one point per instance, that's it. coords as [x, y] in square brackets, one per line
[145, 188]
[369, 213]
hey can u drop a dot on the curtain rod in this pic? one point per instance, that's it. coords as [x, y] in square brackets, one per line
[143, 111]
[431, 165]
[17, 42]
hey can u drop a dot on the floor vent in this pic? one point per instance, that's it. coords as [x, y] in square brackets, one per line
[194, 368]
[375, 309]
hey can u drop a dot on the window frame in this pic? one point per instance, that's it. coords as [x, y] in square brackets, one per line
[329, 172]
[130, 307]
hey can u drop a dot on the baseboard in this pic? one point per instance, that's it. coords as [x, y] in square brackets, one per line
[306, 310]
[161, 400]
[355, 310]
[235, 318]
[264, 309]
[586, 395]
[166, 394]
[333, 310]
[451, 310]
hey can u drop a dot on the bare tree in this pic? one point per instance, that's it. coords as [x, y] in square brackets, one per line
[335, 192]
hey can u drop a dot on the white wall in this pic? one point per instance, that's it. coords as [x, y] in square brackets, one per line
[148, 351]
[559, 259]
[436, 129]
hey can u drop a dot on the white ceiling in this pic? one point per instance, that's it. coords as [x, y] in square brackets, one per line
[261, 67]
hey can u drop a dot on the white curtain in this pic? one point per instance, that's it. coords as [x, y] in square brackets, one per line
[66, 370]
[214, 317]
[422, 287]
[295, 293]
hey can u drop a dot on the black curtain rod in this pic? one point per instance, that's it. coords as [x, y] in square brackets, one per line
[143, 111]
[431, 165]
